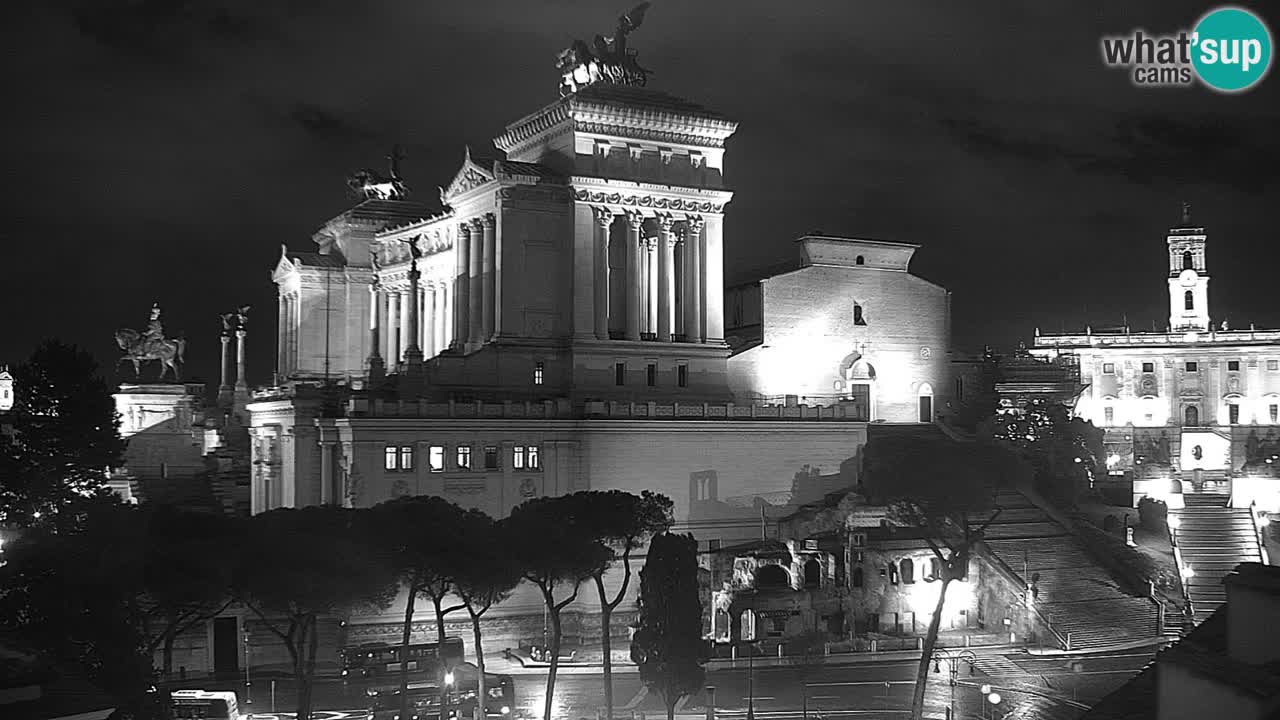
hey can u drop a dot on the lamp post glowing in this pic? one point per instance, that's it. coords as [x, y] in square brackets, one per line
[953, 660]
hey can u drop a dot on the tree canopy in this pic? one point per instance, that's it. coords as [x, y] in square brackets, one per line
[66, 434]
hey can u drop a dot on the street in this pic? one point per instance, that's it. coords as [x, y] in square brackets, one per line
[1053, 688]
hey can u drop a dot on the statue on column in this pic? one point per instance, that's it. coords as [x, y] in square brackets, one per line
[151, 344]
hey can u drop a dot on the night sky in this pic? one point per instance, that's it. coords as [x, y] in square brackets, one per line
[162, 150]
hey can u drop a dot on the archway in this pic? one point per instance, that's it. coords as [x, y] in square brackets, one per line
[908, 570]
[772, 577]
[812, 574]
[925, 396]
[1191, 416]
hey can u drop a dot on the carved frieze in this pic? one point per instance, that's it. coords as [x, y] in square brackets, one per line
[653, 134]
[648, 201]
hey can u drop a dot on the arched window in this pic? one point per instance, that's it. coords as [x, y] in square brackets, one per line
[747, 625]
[935, 569]
[1191, 416]
[857, 577]
[812, 574]
[908, 571]
[859, 260]
[1188, 300]
[857, 316]
[1188, 262]
[771, 576]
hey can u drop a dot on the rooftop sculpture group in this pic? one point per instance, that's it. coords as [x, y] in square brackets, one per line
[369, 184]
[607, 59]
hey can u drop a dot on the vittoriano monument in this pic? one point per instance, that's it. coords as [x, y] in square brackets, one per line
[607, 59]
[151, 344]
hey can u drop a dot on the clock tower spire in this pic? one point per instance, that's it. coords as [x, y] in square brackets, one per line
[1188, 276]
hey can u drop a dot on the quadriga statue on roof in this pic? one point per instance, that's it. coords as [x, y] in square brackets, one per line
[151, 344]
[370, 184]
[607, 59]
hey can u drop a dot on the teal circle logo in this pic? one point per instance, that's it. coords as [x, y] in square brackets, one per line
[1231, 49]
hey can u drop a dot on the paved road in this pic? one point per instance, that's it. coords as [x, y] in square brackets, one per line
[1054, 688]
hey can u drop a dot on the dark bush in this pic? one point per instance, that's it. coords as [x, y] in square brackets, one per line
[1152, 513]
[1110, 523]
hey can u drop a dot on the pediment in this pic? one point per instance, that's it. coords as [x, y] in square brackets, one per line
[469, 177]
[284, 266]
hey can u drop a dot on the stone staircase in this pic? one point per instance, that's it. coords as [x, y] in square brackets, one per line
[1213, 539]
[1077, 596]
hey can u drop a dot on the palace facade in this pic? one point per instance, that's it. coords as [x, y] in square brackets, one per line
[1193, 408]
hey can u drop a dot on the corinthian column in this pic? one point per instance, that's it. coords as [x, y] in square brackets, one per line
[666, 271]
[651, 286]
[225, 386]
[489, 276]
[429, 320]
[604, 220]
[406, 320]
[242, 385]
[461, 286]
[634, 294]
[694, 284]
[475, 284]
[413, 351]
[393, 322]
[376, 367]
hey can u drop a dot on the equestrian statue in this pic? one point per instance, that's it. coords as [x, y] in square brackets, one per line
[151, 344]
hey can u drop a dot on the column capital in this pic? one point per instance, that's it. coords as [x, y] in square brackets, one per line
[488, 220]
[667, 223]
[240, 333]
[464, 228]
[635, 219]
[603, 215]
[477, 225]
[694, 223]
[649, 243]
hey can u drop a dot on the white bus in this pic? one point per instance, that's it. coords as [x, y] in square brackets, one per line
[205, 705]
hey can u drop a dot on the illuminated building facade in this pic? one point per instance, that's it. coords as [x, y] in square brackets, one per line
[1196, 406]
[558, 324]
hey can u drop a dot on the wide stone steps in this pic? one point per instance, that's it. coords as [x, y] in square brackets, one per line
[1212, 540]
[1076, 594]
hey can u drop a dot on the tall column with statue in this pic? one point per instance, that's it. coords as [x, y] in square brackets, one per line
[224, 386]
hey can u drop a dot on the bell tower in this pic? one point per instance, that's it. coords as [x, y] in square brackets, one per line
[1188, 276]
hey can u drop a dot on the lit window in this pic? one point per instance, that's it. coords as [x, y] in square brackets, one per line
[389, 458]
[406, 457]
[619, 373]
[537, 373]
[651, 374]
[682, 375]
[490, 457]
[1233, 413]
[464, 457]
[1108, 368]
[517, 457]
[1275, 412]
[1233, 365]
[1193, 367]
[435, 458]
[1148, 367]
[533, 457]
[1109, 416]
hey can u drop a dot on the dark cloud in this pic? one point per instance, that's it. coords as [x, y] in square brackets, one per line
[327, 124]
[167, 29]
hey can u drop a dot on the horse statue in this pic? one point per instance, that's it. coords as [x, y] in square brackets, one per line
[370, 184]
[168, 352]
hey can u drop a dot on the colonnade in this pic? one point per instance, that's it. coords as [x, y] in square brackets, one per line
[655, 283]
[437, 314]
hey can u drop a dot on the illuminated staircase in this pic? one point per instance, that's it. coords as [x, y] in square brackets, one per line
[1212, 540]
[1077, 596]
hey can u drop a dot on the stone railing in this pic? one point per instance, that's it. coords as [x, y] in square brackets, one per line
[595, 409]
[1045, 342]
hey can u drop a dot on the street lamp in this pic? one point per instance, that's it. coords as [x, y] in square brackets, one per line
[953, 660]
[248, 687]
